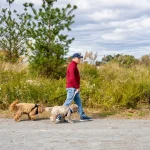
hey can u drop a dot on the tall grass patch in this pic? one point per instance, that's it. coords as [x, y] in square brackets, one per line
[108, 87]
[30, 88]
[115, 87]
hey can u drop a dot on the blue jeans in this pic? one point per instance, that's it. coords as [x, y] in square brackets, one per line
[76, 98]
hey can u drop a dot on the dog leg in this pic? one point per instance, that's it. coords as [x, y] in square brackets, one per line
[69, 120]
[69, 117]
[62, 118]
[53, 119]
[32, 117]
[17, 116]
[29, 117]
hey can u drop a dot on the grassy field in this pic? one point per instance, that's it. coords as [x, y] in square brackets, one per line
[107, 88]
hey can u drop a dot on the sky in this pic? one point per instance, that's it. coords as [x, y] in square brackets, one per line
[108, 27]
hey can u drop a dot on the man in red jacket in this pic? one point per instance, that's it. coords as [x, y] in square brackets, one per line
[73, 86]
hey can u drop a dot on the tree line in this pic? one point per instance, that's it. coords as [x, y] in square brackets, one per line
[38, 32]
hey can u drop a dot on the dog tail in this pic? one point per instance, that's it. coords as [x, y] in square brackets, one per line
[13, 105]
[48, 108]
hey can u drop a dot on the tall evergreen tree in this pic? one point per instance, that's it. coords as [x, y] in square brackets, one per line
[13, 32]
[50, 44]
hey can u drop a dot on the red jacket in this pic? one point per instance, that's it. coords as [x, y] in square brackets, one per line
[72, 76]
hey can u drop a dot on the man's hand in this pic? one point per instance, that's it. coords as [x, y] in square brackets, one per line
[77, 90]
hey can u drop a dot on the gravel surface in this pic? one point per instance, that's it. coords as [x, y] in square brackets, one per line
[99, 134]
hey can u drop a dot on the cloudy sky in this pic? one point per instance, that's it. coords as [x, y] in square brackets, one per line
[107, 26]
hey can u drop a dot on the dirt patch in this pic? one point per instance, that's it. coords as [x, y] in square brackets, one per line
[95, 114]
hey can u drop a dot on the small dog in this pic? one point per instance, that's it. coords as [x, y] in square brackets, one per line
[64, 111]
[25, 108]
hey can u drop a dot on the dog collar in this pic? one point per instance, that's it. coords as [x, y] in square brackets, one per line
[69, 109]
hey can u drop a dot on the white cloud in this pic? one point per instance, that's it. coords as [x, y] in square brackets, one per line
[107, 27]
[145, 23]
[105, 14]
[113, 36]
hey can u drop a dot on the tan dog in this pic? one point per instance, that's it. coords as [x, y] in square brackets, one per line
[25, 108]
[64, 111]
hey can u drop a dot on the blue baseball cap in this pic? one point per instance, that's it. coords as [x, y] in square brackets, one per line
[77, 55]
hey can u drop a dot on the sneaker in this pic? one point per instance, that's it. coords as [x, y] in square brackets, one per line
[85, 118]
[58, 119]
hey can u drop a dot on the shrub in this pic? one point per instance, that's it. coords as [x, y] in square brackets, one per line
[109, 87]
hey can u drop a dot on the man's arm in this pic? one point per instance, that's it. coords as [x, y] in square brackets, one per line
[72, 77]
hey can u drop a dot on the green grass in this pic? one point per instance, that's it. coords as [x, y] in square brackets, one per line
[108, 88]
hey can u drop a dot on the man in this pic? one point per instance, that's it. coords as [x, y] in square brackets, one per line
[73, 86]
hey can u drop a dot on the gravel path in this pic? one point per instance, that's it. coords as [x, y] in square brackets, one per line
[99, 134]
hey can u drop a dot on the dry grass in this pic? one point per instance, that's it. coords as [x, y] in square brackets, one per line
[17, 67]
[94, 113]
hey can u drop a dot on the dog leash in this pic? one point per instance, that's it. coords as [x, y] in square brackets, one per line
[74, 94]
[58, 97]
[64, 95]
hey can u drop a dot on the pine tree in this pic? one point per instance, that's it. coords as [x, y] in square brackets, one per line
[13, 36]
[50, 44]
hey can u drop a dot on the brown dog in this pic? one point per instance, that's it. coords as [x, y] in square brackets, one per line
[64, 111]
[25, 108]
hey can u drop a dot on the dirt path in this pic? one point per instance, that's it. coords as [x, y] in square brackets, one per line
[99, 134]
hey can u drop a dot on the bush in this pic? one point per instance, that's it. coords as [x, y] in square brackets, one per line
[109, 87]
[125, 60]
[145, 60]
[30, 88]
[116, 87]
